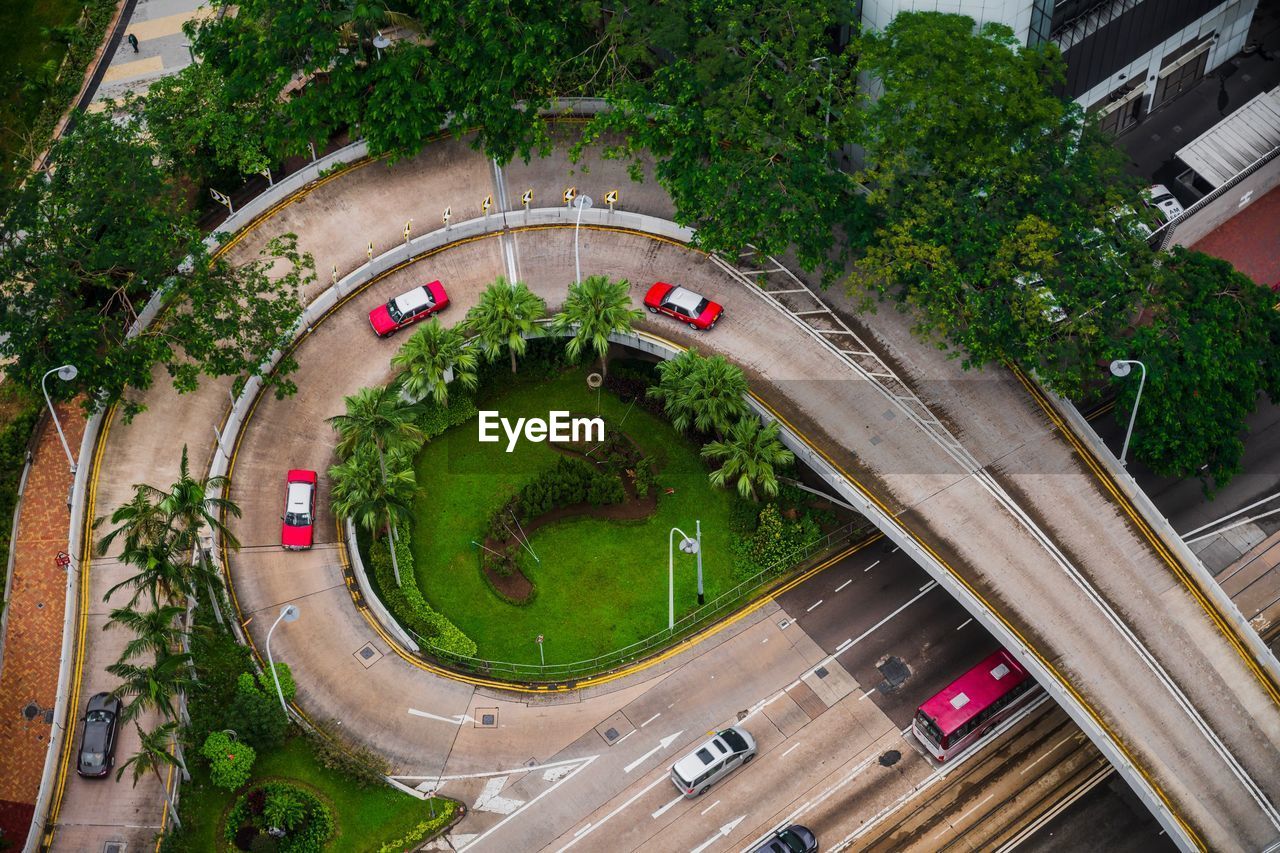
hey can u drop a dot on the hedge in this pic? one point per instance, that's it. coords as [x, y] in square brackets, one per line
[13, 458]
[406, 601]
[423, 830]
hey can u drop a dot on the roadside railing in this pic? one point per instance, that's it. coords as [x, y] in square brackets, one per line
[686, 625]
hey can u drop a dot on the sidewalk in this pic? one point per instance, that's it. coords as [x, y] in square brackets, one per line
[32, 645]
[163, 49]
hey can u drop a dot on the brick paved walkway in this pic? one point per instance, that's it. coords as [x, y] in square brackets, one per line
[1250, 240]
[33, 643]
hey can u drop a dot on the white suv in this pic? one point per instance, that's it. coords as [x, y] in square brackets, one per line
[713, 760]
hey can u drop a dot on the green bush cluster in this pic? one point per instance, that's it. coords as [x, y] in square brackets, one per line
[645, 478]
[358, 764]
[775, 544]
[255, 713]
[307, 822]
[13, 457]
[406, 601]
[230, 761]
[435, 419]
[569, 481]
[424, 830]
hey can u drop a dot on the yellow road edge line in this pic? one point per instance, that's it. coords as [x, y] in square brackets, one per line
[1066, 685]
[86, 559]
[1156, 542]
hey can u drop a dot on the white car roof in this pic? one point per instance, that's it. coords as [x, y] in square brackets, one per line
[691, 766]
[413, 300]
[686, 299]
[298, 497]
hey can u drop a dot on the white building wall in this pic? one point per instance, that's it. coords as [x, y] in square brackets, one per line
[876, 14]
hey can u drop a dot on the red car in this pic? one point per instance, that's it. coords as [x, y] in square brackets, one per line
[686, 306]
[408, 308]
[299, 510]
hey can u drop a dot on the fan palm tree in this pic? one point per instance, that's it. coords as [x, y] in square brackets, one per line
[375, 502]
[155, 630]
[153, 753]
[151, 687]
[708, 394]
[505, 314]
[427, 358]
[594, 309]
[750, 453]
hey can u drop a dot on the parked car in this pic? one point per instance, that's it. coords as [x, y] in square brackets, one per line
[299, 510]
[408, 308]
[1163, 201]
[693, 309]
[712, 761]
[98, 743]
[793, 839]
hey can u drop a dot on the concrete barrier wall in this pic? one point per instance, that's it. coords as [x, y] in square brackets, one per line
[1199, 221]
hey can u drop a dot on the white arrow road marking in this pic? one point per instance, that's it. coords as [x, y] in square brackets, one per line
[456, 719]
[555, 774]
[582, 763]
[514, 771]
[637, 795]
[662, 744]
[724, 832]
[489, 801]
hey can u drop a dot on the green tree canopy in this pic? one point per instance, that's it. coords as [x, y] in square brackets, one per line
[707, 394]
[594, 309]
[750, 456]
[506, 315]
[429, 354]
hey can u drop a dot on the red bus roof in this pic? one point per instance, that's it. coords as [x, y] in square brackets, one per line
[968, 695]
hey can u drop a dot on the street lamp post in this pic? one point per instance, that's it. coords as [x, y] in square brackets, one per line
[1120, 368]
[381, 43]
[582, 202]
[689, 546]
[697, 532]
[289, 613]
[66, 373]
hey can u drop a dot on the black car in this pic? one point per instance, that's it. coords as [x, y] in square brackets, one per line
[793, 839]
[98, 743]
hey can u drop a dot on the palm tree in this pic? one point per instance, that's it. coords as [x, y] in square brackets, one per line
[140, 521]
[594, 309]
[154, 686]
[155, 630]
[750, 452]
[372, 501]
[505, 314]
[427, 358]
[376, 416]
[159, 575]
[706, 393]
[153, 753]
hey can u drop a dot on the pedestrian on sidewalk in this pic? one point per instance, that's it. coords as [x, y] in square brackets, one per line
[133, 41]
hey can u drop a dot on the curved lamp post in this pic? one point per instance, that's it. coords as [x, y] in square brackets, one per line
[289, 613]
[689, 545]
[1120, 368]
[66, 373]
[582, 202]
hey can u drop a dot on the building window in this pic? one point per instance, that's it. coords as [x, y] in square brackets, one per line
[1041, 22]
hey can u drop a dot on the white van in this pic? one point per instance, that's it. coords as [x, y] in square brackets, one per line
[712, 761]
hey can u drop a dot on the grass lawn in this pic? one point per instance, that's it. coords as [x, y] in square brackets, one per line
[601, 584]
[364, 818]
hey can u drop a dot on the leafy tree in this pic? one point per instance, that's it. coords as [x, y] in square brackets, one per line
[153, 686]
[156, 630]
[708, 394]
[503, 317]
[230, 761]
[1211, 346]
[376, 499]
[255, 713]
[594, 309]
[745, 109]
[84, 246]
[154, 753]
[428, 355]
[750, 453]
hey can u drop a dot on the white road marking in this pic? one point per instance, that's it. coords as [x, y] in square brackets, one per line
[489, 801]
[865, 695]
[651, 719]
[1046, 754]
[662, 744]
[725, 832]
[710, 807]
[624, 737]
[482, 836]
[894, 550]
[843, 585]
[555, 774]
[872, 566]
[660, 812]
[952, 826]
[846, 644]
[647, 788]
[456, 719]
[965, 622]
[815, 604]
[586, 759]
[787, 751]
[926, 586]
[765, 640]
[580, 831]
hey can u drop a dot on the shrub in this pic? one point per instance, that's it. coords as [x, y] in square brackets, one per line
[645, 479]
[406, 602]
[284, 809]
[13, 458]
[444, 814]
[435, 419]
[605, 489]
[776, 543]
[230, 762]
[357, 763]
[255, 713]
[312, 820]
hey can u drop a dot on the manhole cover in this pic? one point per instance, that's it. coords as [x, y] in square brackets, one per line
[821, 672]
[48, 716]
[488, 719]
[890, 414]
[31, 711]
[890, 758]
[114, 847]
[367, 652]
[611, 734]
[895, 674]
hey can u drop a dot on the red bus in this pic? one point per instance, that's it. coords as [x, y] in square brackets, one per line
[972, 705]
